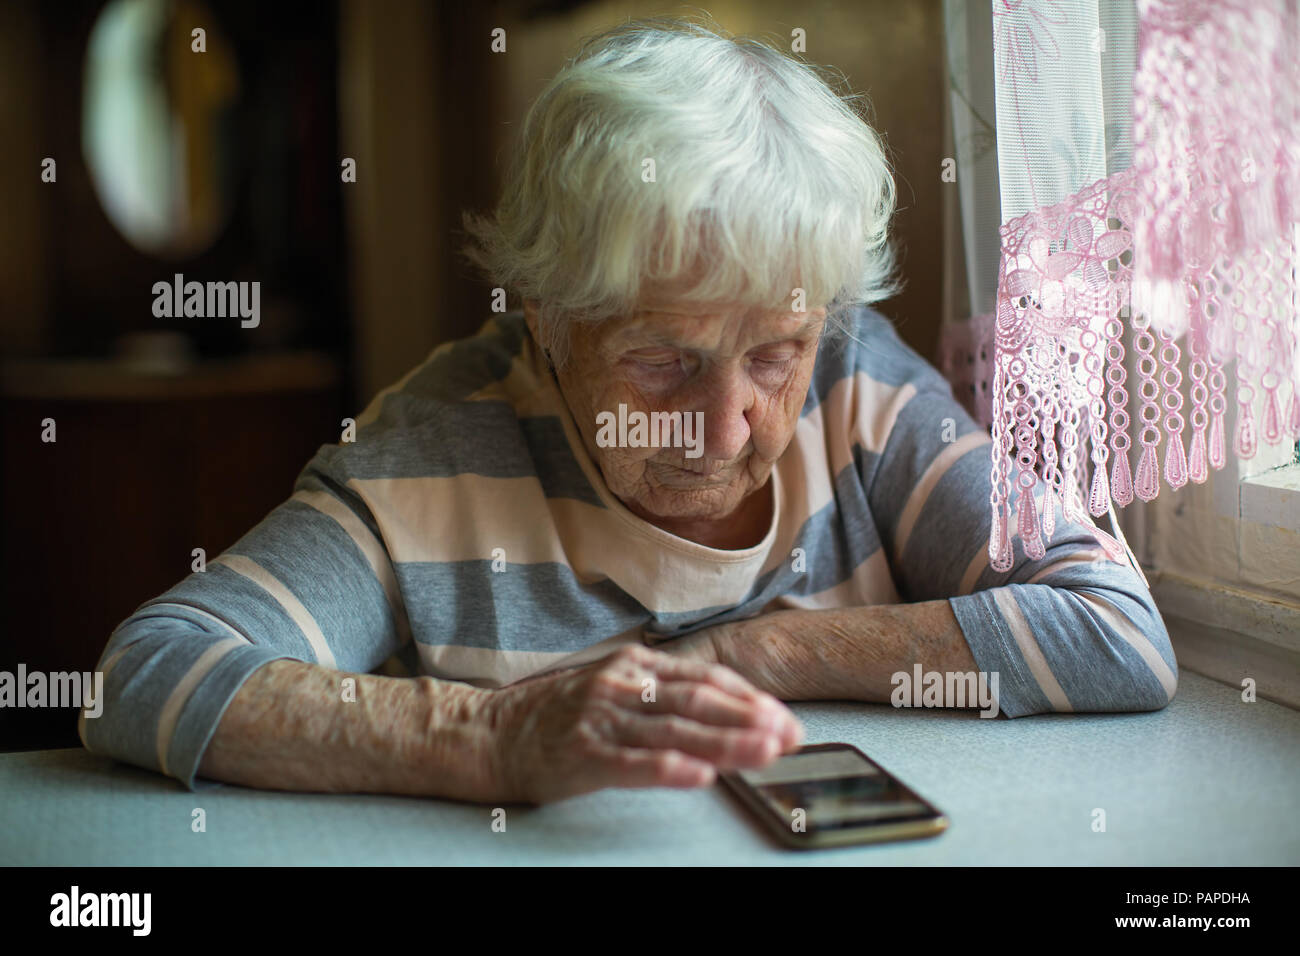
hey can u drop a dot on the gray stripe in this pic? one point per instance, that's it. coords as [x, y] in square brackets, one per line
[320, 564]
[199, 719]
[313, 479]
[873, 347]
[557, 469]
[1069, 537]
[465, 367]
[995, 650]
[478, 438]
[162, 650]
[915, 442]
[948, 530]
[1095, 666]
[526, 607]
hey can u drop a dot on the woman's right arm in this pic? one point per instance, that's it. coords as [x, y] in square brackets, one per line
[204, 664]
[290, 727]
[545, 739]
[238, 672]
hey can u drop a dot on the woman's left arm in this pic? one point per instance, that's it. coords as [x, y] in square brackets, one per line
[839, 654]
[1051, 649]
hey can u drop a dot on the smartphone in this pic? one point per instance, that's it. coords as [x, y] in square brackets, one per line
[833, 795]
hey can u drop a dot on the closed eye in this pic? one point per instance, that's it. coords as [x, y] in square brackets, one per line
[773, 358]
[655, 358]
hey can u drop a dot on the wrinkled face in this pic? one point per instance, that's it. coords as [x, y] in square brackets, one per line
[741, 375]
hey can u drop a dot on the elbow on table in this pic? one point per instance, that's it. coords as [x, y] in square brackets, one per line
[1146, 677]
[1128, 665]
[1150, 697]
[1142, 667]
[1121, 689]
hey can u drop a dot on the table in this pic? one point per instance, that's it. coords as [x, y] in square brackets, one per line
[1209, 780]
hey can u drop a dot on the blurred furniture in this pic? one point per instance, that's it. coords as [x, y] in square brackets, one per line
[145, 468]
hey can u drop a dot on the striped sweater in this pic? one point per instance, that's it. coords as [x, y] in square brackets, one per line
[466, 534]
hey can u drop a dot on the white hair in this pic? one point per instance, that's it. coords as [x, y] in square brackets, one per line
[766, 180]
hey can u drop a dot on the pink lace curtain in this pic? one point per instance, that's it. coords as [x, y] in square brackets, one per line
[1149, 183]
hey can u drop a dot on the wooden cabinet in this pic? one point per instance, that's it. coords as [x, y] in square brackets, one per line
[144, 470]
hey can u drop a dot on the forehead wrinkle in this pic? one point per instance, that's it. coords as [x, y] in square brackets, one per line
[663, 333]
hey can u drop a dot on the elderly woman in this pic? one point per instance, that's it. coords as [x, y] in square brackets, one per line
[695, 475]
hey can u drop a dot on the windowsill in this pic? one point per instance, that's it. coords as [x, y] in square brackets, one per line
[1231, 635]
[1273, 498]
[1226, 555]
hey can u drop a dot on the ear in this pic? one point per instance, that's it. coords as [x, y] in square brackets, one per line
[530, 316]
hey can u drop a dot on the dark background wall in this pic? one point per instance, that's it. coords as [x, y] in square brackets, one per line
[359, 280]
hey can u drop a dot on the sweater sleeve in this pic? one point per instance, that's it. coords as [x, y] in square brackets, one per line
[1071, 631]
[311, 582]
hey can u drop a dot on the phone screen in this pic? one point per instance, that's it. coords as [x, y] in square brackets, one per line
[836, 788]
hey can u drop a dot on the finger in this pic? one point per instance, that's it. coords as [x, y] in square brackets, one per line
[765, 710]
[724, 748]
[792, 735]
[637, 767]
[720, 676]
[705, 703]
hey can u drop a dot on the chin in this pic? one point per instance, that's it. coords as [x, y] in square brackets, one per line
[702, 505]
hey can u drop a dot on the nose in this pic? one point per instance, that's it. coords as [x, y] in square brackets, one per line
[726, 399]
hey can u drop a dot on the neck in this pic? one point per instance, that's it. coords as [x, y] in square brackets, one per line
[743, 528]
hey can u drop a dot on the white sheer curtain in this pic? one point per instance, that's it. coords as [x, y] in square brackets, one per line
[1147, 183]
[966, 342]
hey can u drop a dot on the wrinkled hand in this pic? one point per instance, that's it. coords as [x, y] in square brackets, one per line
[638, 718]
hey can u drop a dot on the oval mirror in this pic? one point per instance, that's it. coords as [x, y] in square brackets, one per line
[156, 123]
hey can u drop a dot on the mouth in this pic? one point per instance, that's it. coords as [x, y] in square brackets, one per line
[702, 466]
[697, 472]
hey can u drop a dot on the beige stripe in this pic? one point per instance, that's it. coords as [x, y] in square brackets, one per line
[527, 386]
[806, 486]
[870, 583]
[272, 585]
[1135, 638]
[463, 518]
[669, 576]
[1090, 556]
[494, 668]
[467, 517]
[171, 710]
[808, 478]
[878, 408]
[857, 409]
[369, 546]
[1029, 649]
[916, 500]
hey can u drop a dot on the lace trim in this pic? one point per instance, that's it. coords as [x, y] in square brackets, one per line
[1195, 243]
